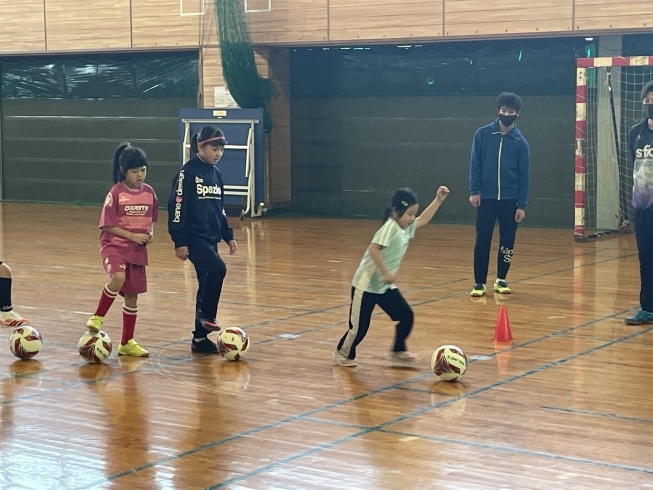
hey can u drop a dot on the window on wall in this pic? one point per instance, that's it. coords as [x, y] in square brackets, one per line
[528, 67]
[165, 75]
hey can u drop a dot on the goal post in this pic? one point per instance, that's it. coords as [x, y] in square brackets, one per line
[608, 104]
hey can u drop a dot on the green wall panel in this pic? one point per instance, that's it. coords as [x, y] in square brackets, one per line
[61, 150]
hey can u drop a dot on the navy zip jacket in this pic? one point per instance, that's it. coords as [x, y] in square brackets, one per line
[500, 165]
[196, 207]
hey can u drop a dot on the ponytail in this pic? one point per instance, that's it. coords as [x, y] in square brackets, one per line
[193, 144]
[126, 157]
[118, 176]
[387, 213]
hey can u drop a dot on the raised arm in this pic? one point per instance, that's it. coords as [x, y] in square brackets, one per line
[430, 210]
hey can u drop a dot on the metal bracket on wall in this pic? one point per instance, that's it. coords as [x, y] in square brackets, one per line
[257, 8]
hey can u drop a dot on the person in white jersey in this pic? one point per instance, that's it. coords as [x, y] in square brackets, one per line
[374, 280]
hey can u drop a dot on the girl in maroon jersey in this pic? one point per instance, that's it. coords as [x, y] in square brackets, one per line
[129, 211]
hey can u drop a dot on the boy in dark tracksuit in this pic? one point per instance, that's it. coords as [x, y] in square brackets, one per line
[196, 223]
[640, 144]
[498, 187]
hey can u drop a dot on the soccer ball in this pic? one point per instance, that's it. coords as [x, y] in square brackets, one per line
[449, 362]
[233, 343]
[25, 342]
[94, 347]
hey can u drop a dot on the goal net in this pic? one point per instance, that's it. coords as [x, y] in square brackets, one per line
[608, 104]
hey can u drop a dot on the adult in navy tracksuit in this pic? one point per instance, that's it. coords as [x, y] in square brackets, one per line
[498, 187]
[197, 222]
[640, 144]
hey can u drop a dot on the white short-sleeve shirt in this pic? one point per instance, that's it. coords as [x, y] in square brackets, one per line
[394, 242]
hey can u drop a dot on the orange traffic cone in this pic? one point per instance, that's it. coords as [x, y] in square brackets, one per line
[502, 331]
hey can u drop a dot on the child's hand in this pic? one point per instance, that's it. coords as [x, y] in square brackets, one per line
[442, 193]
[181, 253]
[140, 238]
[150, 238]
[388, 278]
[233, 247]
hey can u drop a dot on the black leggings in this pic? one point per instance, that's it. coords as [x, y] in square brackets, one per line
[211, 271]
[487, 215]
[360, 314]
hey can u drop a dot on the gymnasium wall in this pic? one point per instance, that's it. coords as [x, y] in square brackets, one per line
[62, 120]
[365, 122]
[349, 155]
[75, 25]
[61, 151]
[317, 21]
[62, 25]
[274, 63]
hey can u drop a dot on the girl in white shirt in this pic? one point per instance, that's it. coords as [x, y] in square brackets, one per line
[374, 280]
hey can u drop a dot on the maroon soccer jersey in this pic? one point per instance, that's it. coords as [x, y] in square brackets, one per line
[133, 210]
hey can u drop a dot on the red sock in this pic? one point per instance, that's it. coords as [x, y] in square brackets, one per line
[128, 323]
[106, 300]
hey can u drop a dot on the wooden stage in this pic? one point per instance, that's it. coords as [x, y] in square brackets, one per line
[568, 405]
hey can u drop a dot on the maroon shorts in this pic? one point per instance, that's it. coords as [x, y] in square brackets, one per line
[135, 277]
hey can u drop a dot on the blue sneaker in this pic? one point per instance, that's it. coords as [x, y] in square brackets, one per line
[640, 318]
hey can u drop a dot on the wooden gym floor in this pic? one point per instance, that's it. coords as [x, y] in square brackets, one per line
[568, 405]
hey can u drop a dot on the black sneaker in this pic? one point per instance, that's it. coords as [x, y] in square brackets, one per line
[204, 346]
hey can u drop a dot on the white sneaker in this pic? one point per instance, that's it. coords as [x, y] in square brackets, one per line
[344, 360]
[12, 319]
